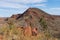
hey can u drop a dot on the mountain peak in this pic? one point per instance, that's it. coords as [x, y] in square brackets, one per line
[35, 10]
[31, 12]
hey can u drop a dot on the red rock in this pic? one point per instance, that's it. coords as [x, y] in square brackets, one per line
[27, 31]
[1, 37]
[34, 32]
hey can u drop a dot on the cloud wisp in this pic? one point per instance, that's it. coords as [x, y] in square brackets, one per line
[19, 6]
[53, 11]
[26, 1]
[22, 3]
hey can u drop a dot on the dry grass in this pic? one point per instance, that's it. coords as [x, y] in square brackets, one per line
[18, 34]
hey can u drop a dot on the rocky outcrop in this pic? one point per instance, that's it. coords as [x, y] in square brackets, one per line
[1, 37]
[28, 31]
[15, 16]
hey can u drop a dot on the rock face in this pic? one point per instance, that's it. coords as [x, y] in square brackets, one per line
[37, 21]
[27, 31]
[34, 32]
[1, 37]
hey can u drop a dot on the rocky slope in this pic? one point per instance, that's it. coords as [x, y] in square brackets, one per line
[37, 18]
[32, 17]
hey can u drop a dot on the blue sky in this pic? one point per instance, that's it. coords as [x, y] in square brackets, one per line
[9, 7]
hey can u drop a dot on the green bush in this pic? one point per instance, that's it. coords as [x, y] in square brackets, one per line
[43, 23]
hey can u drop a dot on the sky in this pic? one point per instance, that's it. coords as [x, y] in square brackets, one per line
[9, 7]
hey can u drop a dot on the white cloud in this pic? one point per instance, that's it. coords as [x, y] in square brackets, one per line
[55, 8]
[9, 12]
[43, 5]
[20, 5]
[14, 3]
[54, 11]
[11, 5]
[26, 1]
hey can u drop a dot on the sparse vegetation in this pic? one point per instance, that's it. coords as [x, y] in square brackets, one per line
[43, 23]
[27, 26]
[18, 34]
[45, 28]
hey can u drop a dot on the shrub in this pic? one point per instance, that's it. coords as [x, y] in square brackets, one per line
[43, 23]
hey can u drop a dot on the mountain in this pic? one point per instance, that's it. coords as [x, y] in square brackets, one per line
[36, 18]
[32, 16]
